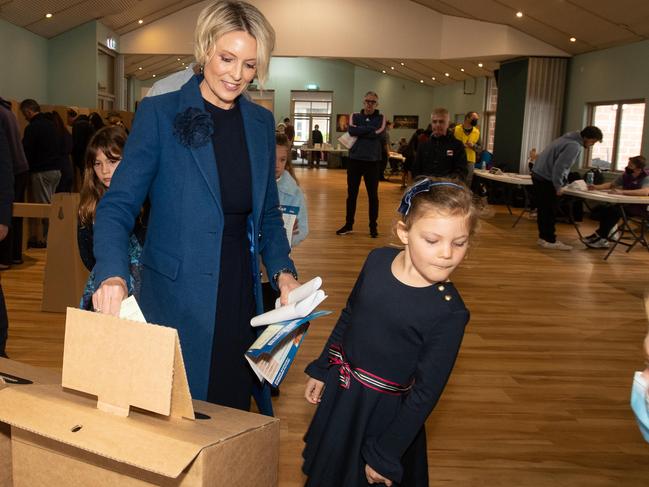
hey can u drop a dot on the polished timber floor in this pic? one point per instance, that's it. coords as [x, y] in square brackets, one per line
[540, 392]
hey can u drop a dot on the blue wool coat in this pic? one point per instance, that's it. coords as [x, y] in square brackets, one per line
[181, 256]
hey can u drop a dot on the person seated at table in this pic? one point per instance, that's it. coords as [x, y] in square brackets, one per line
[633, 182]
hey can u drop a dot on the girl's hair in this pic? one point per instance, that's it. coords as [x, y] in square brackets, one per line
[282, 141]
[221, 18]
[448, 197]
[110, 140]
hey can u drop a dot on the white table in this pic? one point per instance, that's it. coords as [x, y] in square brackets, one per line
[523, 181]
[627, 236]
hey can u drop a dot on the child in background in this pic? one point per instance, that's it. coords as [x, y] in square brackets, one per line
[390, 355]
[288, 188]
[103, 155]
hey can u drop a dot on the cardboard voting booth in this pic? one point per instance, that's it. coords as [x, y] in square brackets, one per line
[123, 416]
[15, 374]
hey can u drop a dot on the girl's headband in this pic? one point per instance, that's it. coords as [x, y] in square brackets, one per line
[422, 186]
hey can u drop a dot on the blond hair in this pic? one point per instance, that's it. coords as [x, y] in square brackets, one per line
[440, 111]
[223, 17]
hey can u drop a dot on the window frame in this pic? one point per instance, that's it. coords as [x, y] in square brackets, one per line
[590, 113]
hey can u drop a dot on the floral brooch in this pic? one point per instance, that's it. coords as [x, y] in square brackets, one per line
[193, 127]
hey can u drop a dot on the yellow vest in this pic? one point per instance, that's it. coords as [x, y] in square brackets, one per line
[473, 137]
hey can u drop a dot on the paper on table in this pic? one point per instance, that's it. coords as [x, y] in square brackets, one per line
[302, 292]
[131, 311]
[290, 311]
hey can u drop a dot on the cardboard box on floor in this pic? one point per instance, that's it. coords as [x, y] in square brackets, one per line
[65, 437]
[15, 374]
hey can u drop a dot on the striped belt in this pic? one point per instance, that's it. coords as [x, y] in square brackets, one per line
[365, 378]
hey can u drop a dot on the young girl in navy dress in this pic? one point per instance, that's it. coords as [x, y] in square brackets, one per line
[390, 355]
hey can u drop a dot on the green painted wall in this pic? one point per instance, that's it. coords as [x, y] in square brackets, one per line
[288, 74]
[72, 67]
[617, 73]
[453, 98]
[24, 71]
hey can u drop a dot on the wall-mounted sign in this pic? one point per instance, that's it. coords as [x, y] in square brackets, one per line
[111, 43]
[312, 86]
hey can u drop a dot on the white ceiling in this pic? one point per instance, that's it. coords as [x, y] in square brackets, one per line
[596, 24]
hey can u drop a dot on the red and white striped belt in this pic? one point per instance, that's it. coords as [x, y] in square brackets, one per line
[365, 378]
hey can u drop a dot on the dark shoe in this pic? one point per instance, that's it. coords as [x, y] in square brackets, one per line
[344, 230]
[17, 261]
[374, 233]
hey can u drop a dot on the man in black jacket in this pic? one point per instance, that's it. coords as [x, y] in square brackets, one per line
[365, 161]
[82, 130]
[6, 200]
[442, 155]
[41, 144]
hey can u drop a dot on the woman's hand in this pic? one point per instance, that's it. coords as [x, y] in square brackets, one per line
[108, 298]
[373, 477]
[286, 283]
[313, 391]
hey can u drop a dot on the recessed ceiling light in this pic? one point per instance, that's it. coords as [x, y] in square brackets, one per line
[421, 80]
[573, 39]
[519, 14]
[480, 65]
[433, 78]
[48, 16]
[391, 67]
[154, 75]
[140, 21]
[177, 59]
[186, 67]
[140, 68]
[446, 74]
[462, 69]
[183, 64]
[403, 64]
[383, 71]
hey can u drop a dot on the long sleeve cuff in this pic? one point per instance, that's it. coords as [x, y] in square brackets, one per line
[390, 468]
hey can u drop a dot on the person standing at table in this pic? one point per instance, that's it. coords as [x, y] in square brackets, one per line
[633, 182]
[364, 161]
[205, 156]
[316, 138]
[550, 175]
[442, 155]
[468, 133]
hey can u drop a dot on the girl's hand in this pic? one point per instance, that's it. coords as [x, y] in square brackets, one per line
[313, 391]
[373, 477]
[108, 298]
[286, 283]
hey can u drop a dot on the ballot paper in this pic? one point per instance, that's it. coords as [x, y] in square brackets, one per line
[289, 214]
[130, 310]
[301, 301]
[271, 355]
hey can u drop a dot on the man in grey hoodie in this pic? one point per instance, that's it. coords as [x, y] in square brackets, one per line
[550, 175]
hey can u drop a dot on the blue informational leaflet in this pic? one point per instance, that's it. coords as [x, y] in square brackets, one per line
[289, 214]
[273, 352]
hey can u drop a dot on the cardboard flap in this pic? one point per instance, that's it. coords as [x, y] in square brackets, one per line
[162, 446]
[125, 363]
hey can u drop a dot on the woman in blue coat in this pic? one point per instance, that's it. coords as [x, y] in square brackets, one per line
[205, 157]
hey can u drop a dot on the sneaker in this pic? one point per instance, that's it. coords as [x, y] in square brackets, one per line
[600, 243]
[344, 230]
[553, 245]
[591, 238]
[615, 233]
[374, 233]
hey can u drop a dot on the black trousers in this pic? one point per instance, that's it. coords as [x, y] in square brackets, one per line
[11, 248]
[4, 323]
[608, 216]
[369, 171]
[547, 202]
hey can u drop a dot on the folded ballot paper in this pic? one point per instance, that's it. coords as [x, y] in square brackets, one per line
[273, 352]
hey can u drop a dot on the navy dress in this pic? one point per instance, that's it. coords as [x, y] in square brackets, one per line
[231, 379]
[401, 334]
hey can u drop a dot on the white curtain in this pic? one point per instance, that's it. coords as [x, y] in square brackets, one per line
[546, 83]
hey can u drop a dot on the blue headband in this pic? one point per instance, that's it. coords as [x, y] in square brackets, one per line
[422, 186]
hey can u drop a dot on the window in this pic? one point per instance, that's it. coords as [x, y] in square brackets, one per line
[489, 118]
[621, 123]
[311, 108]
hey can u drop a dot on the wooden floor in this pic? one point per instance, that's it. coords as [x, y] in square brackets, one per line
[540, 392]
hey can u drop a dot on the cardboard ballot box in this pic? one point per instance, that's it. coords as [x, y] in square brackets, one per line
[64, 437]
[15, 374]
